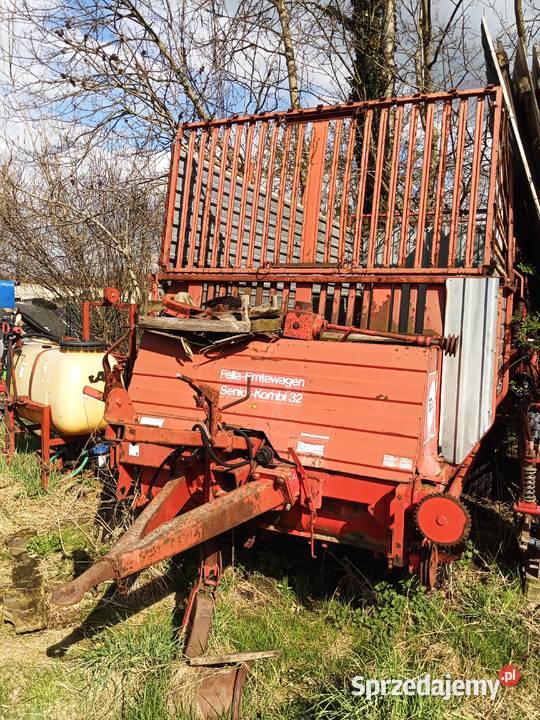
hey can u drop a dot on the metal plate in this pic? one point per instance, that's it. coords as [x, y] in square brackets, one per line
[468, 378]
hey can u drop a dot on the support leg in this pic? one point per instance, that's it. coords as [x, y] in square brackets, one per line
[9, 433]
[45, 445]
[199, 611]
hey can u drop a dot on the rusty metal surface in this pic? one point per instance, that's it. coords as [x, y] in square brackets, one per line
[198, 625]
[155, 536]
[220, 693]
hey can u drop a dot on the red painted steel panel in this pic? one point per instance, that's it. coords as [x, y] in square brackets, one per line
[359, 410]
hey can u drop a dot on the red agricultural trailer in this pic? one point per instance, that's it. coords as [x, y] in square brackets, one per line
[337, 287]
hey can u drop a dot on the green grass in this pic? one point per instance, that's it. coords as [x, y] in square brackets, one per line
[5, 691]
[405, 632]
[132, 663]
[144, 648]
[66, 540]
[409, 633]
[24, 468]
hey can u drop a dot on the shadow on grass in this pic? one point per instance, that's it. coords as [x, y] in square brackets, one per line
[338, 572]
[333, 573]
[114, 607]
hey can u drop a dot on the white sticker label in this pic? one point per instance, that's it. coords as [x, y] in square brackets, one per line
[21, 371]
[401, 463]
[154, 422]
[280, 388]
[431, 407]
[305, 448]
[312, 444]
[133, 450]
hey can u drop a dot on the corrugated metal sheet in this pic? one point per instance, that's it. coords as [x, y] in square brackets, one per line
[468, 378]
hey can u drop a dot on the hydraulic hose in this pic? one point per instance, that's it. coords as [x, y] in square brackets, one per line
[78, 470]
[224, 463]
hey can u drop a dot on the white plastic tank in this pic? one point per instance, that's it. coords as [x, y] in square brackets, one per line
[55, 374]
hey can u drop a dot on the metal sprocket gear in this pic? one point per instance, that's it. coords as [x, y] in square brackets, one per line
[442, 519]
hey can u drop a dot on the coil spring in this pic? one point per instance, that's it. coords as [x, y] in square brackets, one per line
[529, 483]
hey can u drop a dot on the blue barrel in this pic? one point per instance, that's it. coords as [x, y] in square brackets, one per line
[7, 294]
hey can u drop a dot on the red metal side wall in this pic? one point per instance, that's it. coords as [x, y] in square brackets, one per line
[356, 408]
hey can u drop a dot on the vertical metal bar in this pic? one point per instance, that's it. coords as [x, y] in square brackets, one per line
[434, 309]
[362, 182]
[256, 193]
[424, 186]
[132, 343]
[380, 315]
[203, 240]
[232, 195]
[351, 299]
[285, 296]
[304, 293]
[495, 151]
[197, 199]
[294, 190]
[510, 239]
[411, 153]
[366, 305]
[195, 289]
[313, 192]
[413, 309]
[344, 214]
[322, 299]
[379, 169]
[245, 188]
[269, 193]
[336, 303]
[456, 195]
[220, 193]
[172, 185]
[45, 445]
[475, 174]
[85, 320]
[281, 193]
[396, 308]
[441, 175]
[332, 190]
[186, 195]
[392, 189]
[10, 432]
